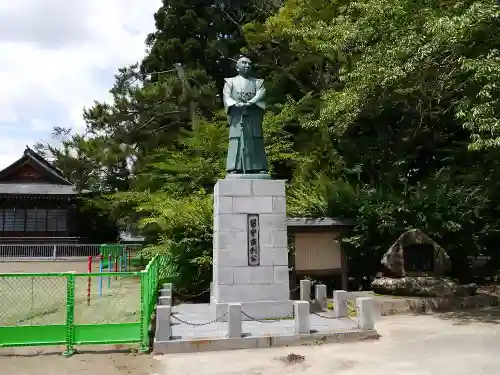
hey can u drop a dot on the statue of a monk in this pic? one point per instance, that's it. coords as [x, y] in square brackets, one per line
[244, 105]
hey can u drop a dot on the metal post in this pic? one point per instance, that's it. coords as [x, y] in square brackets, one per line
[101, 258]
[145, 312]
[32, 293]
[89, 280]
[70, 314]
[109, 270]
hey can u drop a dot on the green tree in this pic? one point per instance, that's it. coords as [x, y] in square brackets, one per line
[394, 111]
[381, 111]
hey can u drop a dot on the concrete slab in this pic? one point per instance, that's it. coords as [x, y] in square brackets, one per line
[254, 342]
[409, 344]
[193, 330]
[394, 305]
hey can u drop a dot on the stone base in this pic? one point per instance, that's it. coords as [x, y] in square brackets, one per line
[257, 342]
[257, 310]
[249, 176]
[251, 265]
[422, 287]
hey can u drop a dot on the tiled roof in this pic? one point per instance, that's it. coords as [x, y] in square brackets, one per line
[36, 189]
[317, 222]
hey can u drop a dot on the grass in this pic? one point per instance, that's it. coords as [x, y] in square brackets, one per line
[388, 296]
[351, 308]
[280, 318]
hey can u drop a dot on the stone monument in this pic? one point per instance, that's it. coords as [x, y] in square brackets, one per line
[416, 266]
[250, 253]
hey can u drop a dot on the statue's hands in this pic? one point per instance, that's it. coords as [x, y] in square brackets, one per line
[243, 104]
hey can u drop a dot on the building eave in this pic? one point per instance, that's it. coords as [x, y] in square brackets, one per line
[321, 222]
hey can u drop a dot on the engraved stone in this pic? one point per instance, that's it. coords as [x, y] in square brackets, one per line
[253, 240]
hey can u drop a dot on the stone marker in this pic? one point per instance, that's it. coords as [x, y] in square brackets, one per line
[250, 253]
[163, 316]
[320, 296]
[165, 301]
[234, 320]
[305, 290]
[415, 252]
[366, 309]
[165, 292]
[415, 265]
[302, 319]
[340, 299]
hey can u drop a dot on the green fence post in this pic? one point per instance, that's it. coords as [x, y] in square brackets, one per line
[145, 314]
[70, 314]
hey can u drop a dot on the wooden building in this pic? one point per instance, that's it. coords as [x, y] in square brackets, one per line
[318, 252]
[37, 204]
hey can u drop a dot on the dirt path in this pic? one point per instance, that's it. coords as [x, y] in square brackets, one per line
[26, 361]
[456, 343]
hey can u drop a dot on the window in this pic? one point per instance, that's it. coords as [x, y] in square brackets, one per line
[19, 218]
[8, 218]
[13, 220]
[33, 220]
[56, 220]
[36, 220]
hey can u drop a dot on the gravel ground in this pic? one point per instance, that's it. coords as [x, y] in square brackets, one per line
[460, 343]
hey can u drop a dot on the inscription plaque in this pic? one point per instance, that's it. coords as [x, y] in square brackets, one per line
[419, 257]
[253, 240]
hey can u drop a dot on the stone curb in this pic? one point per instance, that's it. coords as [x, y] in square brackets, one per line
[254, 342]
[428, 305]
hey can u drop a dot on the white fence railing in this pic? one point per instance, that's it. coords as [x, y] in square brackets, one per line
[10, 252]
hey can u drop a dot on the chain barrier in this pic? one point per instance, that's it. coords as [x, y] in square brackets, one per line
[325, 317]
[198, 324]
[286, 317]
[350, 312]
[294, 290]
[190, 296]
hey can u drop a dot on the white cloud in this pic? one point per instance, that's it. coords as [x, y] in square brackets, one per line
[57, 57]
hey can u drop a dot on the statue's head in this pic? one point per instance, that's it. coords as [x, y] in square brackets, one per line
[244, 66]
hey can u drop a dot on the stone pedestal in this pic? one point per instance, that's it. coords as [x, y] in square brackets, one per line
[250, 254]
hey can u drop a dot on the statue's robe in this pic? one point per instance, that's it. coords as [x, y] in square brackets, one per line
[246, 153]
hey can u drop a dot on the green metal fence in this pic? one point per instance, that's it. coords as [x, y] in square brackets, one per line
[74, 309]
[114, 250]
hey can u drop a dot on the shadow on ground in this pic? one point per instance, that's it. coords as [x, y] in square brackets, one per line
[57, 351]
[460, 317]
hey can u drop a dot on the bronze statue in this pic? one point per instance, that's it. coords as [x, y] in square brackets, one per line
[244, 105]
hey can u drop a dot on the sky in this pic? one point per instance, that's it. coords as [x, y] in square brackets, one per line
[59, 56]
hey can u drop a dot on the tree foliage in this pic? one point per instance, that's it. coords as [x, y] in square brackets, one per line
[381, 111]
